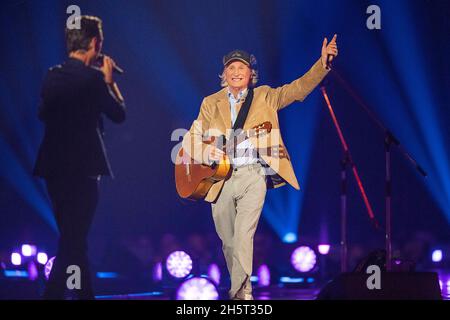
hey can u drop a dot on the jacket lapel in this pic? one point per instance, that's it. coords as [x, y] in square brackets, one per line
[223, 105]
[249, 123]
[224, 109]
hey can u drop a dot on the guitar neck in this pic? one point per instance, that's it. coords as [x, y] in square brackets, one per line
[248, 133]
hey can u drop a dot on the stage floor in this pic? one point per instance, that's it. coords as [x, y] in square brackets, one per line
[269, 293]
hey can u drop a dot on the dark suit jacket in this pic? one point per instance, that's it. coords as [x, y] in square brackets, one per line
[74, 97]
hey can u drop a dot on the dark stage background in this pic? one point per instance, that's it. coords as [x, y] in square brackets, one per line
[171, 52]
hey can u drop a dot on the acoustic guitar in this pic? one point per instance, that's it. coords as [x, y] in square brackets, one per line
[193, 180]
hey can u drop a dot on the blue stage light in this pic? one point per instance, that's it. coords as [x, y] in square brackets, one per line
[107, 275]
[290, 238]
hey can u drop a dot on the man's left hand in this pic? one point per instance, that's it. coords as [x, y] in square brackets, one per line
[329, 49]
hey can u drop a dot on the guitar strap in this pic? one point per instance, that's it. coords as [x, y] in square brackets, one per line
[245, 108]
[240, 119]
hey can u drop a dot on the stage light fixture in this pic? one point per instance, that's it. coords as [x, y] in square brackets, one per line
[303, 259]
[290, 237]
[48, 267]
[214, 273]
[28, 250]
[16, 259]
[197, 288]
[323, 249]
[437, 255]
[263, 275]
[179, 264]
[33, 272]
[157, 272]
[42, 258]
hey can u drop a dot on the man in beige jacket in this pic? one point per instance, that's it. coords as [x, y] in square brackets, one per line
[258, 163]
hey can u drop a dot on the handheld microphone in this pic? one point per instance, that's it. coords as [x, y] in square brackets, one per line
[116, 68]
[329, 59]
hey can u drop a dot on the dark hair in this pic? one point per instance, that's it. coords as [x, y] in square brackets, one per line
[79, 39]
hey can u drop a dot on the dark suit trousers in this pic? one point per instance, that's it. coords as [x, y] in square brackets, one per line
[74, 200]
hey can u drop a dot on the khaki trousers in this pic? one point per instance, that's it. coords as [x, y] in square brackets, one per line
[236, 214]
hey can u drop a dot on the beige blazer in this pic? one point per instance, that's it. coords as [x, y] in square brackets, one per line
[214, 119]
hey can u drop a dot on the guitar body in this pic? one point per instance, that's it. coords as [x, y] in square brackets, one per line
[193, 180]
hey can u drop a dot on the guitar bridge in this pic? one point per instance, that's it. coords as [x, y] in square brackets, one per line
[188, 171]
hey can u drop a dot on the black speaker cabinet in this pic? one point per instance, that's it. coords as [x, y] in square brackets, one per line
[394, 286]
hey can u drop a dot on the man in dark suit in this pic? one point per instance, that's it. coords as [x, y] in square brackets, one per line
[72, 156]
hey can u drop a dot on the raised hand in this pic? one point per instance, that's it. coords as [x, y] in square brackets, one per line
[329, 49]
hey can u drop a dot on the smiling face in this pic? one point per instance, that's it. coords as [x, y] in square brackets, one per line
[237, 75]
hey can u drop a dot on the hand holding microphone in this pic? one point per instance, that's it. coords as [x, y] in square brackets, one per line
[329, 51]
[108, 66]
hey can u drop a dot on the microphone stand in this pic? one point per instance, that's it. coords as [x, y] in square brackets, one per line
[347, 161]
[344, 251]
[389, 140]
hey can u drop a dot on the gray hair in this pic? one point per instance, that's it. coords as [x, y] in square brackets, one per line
[253, 78]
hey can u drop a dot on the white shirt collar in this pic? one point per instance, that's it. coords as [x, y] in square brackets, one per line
[241, 94]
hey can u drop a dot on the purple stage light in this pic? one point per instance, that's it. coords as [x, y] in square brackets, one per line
[324, 249]
[16, 259]
[157, 272]
[179, 264]
[28, 250]
[33, 273]
[48, 267]
[263, 275]
[197, 288]
[436, 256]
[303, 259]
[214, 273]
[42, 258]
